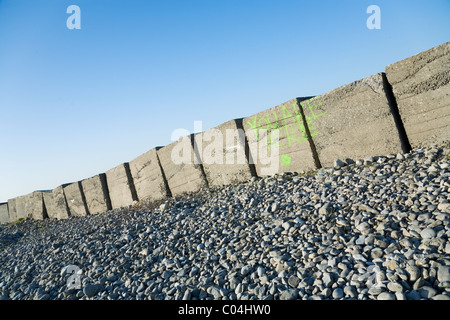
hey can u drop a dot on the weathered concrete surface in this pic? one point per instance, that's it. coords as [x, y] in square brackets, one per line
[285, 124]
[222, 151]
[353, 121]
[4, 214]
[421, 86]
[181, 167]
[96, 194]
[120, 185]
[55, 203]
[75, 199]
[12, 209]
[17, 208]
[34, 205]
[148, 177]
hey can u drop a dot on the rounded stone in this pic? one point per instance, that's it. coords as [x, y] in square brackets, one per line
[386, 296]
[92, 290]
[338, 293]
[443, 274]
[246, 270]
[395, 287]
[441, 297]
[293, 281]
[350, 291]
[428, 233]
[290, 294]
[413, 272]
[427, 292]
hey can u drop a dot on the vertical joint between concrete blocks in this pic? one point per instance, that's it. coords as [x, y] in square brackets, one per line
[106, 190]
[392, 101]
[69, 214]
[308, 134]
[166, 183]
[198, 156]
[248, 156]
[44, 209]
[83, 198]
[130, 182]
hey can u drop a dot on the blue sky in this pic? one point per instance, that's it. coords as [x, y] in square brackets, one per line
[75, 103]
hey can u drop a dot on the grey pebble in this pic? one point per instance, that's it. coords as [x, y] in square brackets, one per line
[338, 293]
[293, 281]
[260, 271]
[386, 296]
[338, 163]
[92, 290]
[443, 274]
[246, 270]
[350, 291]
[427, 292]
[441, 297]
[289, 294]
[428, 233]
[395, 287]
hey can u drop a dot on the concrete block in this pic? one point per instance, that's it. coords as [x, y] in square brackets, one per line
[223, 154]
[4, 214]
[55, 203]
[12, 210]
[20, 208]
[120, 185]
[353, 121]
[34, 205]
[278, 141]
[148, 177]
[75, 199]
[182, 167]
[421, 86]
[96, 194]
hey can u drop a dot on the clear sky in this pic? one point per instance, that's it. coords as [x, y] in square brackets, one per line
[75, 103]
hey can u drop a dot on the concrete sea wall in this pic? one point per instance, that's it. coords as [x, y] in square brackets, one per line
[406, 106]
[4, 214]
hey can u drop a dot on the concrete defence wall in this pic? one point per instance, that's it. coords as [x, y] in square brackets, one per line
[182, 167]
[56, 204]
[96, 194]
[120, 186]
[406, 106]
[75, 200]
[421, 86]
[28, 206]
[223, 155]
[4, 214]
[353, 121]
[148, 177]
[278, 141]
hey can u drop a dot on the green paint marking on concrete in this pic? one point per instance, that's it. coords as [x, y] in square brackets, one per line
[286, 160]
[311, 107]
[294, 132]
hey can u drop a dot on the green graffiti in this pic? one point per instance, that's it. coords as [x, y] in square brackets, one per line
[309, 120]
[294, 132]
[311, 107]
[286, 160]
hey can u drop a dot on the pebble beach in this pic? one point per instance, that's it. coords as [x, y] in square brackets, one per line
[366, 229]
